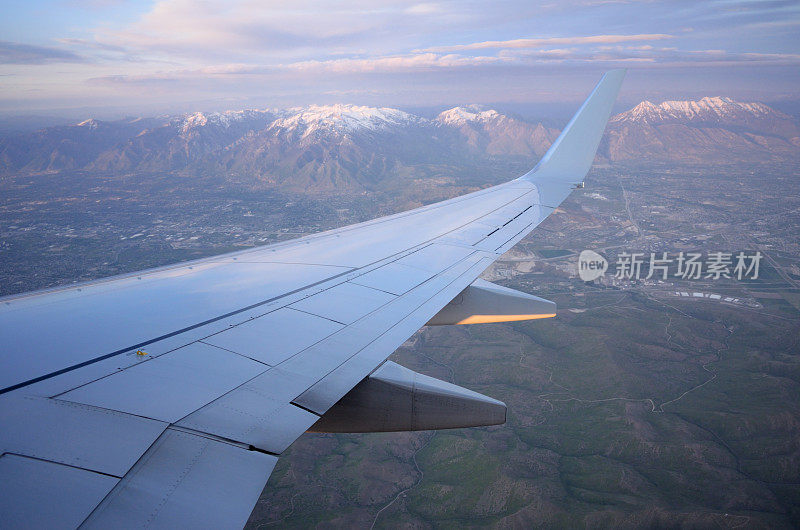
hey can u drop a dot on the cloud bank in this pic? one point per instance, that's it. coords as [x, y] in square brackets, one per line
[182, 49]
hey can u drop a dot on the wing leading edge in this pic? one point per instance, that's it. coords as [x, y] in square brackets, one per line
[166, 396]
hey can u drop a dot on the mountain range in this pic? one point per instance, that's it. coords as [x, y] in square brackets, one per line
[709, 130]
[351, 148]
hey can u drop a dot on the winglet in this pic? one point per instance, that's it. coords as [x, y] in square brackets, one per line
[571, 155]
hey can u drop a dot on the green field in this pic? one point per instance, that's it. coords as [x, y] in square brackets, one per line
[628, 414]
[636, 409]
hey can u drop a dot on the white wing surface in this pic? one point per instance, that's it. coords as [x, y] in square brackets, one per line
[164, 398]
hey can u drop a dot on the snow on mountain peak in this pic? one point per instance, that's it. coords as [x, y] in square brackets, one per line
[706, 109]
[221, 119]
[342, 118]
[470, 113]
[198, 119]
[91, 123]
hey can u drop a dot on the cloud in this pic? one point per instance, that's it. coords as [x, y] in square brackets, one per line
[267, 48]
[92, 44]
[428, 61]
[107, 53]
[551, 41]
[16, 53]
[389, 64]
[396, 63]
[423, 9]
[97, 4]
[247, 28]
[523, 59]
[647, 56]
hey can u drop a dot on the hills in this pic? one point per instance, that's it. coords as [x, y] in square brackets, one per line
[492, 133]
[355, 148]
[336, 147]
[712, 130]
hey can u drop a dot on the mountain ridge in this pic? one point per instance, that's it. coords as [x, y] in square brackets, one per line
[715, 129]
[352, 147]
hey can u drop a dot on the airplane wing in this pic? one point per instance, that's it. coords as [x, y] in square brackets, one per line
[164, 398]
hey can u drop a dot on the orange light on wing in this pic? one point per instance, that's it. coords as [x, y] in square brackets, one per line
[489, 319]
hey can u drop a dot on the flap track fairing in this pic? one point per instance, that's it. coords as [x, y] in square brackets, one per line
[484, 302]
[394, 398]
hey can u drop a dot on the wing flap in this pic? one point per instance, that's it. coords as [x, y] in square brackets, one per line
[40, 494]
[258, 413]
[394, 398]
[186, 481]
[98, 440]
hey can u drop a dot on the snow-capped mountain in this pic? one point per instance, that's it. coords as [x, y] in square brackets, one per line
[708, 109]
[492, 133]
[181, 141]
[225, 120]
[350, 147]
[712, 129]
[91, 123]
[343, 147]
[342, 119]
[458, 116]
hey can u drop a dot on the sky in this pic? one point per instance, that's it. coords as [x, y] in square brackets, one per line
[177, 55]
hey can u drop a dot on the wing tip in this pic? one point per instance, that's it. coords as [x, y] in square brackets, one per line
[571, 155]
